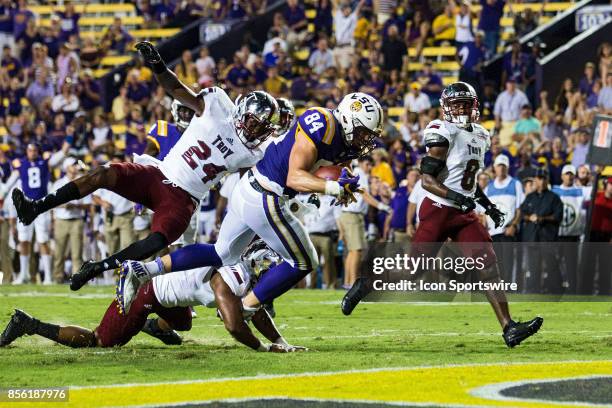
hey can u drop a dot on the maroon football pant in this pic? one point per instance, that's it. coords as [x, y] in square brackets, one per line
[117, 329]
[438, 222]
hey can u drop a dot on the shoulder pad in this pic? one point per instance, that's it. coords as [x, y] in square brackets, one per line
[479, 128]
[236, 277]
[436, 133]
[318, 124]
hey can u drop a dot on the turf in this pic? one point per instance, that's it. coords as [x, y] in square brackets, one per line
[376, 335]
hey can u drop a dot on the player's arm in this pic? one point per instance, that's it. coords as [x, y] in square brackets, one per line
[9, 184]
[265, 325]
[58, 157]
[230, 308]
[491, 209]
[168, 80]
[301, 160]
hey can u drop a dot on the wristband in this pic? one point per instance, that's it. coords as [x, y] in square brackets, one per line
[332, 188]
[159, 67]
[264, 348]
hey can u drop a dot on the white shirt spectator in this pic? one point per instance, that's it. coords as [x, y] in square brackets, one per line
[344, 27]
[101, 135]
[417, 103]
[205, 66]
[269, 45]
[62, 104]
[63, 213]
[463, 26]
[508, 196]
[508, 105]
[120, 205]
[319, 61]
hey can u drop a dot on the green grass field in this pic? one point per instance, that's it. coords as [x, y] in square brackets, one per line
[377, 335]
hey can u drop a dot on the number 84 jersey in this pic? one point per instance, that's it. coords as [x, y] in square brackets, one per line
[465, 158]
[209, 148]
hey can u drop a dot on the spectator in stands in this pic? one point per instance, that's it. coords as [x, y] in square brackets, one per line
[295, 16]
[238, 75]
[415, 100]
[321, 58]
[601, 231]
[525, 22]
[10, 62]
[90, 54]
[527, 123]
[137, 144]
[394, 51]
[443, 27]
[275, 84]
[69, 21]
[463, 25]
[396, 225]
[489, 22]
[487, 102]
[585, 86]
[63, 62]
[604, 100]
[120, 105]
[101, 136]
[66, 101]
[116, 38]
[6, 24]
[514, 64]
[604, 53]
[375, 84]
[25, 41]
[185, 70]
[578, 145]
[507, 110]
[381, 168]
[565, 95]
[345, 21]
[324, 19]
[40, 89]
[187, 11]
[418, 32]
[472, 57]
[431, 83]
[138, 92]
[556, 159]
[89, 92]
[205, 65]
[21, 17]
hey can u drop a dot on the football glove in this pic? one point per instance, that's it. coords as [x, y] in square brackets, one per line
[148, 52]
[348, 181]
[465, 203]
[496, 215]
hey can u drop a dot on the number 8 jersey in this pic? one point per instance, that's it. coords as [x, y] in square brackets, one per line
[465, 158]
[209, 148]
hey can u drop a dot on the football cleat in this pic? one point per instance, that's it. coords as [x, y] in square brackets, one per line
[26, 208]
[270, 309]
[21, 323]
[127, 286]
[358, 291]
[170, 337]
[515, 333]
[88, 271]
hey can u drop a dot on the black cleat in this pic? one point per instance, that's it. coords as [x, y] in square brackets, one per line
[88, 271]
[515, 332]
[26, 208]
[21, 323]
[358, 291]
[170, 337]
[270, 309]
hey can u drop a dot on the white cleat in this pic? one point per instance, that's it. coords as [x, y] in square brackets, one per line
[128, 283]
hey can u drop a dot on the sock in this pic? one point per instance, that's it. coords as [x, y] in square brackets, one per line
[138, 250]
[277, 281]
[195, 256]
[24, 268]
[47, 330]
[155, 267]
[63, 195]
[46, 267]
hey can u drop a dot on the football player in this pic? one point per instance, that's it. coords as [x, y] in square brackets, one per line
[260, 201]
[221, 138]
[455, 154]
[169, 296]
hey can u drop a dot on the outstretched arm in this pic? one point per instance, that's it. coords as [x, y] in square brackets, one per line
[168, 80]
[265, 325]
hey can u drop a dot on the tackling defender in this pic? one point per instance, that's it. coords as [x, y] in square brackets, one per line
[169, 296]
[260, 200]
[221, 138]
[455, 154]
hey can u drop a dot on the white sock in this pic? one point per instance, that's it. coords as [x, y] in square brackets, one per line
[46, 267]
[24, 268]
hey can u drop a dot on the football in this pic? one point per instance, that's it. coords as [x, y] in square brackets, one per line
[328, 172]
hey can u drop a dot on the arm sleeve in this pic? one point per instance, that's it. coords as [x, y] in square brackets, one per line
[520, 195]
[10, 183]
[56, 158]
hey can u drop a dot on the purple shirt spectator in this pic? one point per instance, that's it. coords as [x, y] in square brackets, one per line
[238, 75]
[138, 91]
[6, 20]
[39, 90]
[294, 15]
[491, 15]
[20, 20]
[399, 204]
[69, 25]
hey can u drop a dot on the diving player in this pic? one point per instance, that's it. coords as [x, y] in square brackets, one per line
[221, 138]
[34, 171]
[455, 154]
[260, 200]
[169, 296]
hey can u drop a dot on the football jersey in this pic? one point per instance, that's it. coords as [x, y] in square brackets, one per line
[321, 127]
[192, 287]
[34, 175]
[574, 216]
[209, 148]
[164, 135]
[465, 156]
[508, 196]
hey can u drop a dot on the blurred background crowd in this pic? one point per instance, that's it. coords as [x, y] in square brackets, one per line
[402, 51]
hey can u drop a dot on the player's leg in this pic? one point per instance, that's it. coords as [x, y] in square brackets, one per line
[42, 226]
[169, 321]
[475, 242]
[61, 236]
[22, 323]
[25, 233]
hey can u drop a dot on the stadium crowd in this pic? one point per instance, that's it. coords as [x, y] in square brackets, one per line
[52, 111]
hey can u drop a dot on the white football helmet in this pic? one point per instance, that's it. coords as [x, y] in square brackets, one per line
[256, 117]
[181, 114]
[361, 118]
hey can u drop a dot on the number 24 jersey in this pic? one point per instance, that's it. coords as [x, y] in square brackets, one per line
[209, 147]
[465, 156]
